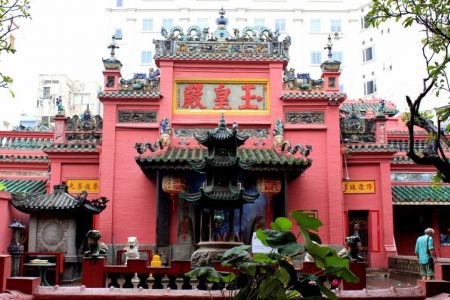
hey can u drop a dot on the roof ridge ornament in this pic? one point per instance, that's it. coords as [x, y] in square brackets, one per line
[112, 63]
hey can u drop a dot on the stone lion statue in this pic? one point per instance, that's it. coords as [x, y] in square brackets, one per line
[132, 249]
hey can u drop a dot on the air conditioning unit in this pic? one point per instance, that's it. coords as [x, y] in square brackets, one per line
[338, 35]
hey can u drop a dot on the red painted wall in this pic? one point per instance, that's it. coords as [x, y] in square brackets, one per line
[9, 213]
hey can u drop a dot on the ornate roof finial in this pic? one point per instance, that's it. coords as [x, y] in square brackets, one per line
[221, 20]
[113, 46]
[112, 63]
[329, 46]
[330, 65]
[222, 122]
[221, 34]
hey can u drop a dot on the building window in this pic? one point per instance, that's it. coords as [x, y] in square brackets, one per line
[79, 99]
[118, 33]
[167, 23]
[444, 227]
[364, 23]
[147, 25]
[146, 57]
[202, 22]
[280, 25]
[337, 56]
[412, 177]
[316, 58]
[119, 3]
[46, 92]
[259, 24]
[336, 26]
[368, 54]
[314, 26]
[370, 87]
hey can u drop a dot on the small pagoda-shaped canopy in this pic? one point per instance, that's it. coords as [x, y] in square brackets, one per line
[221, 166]
[60, 200]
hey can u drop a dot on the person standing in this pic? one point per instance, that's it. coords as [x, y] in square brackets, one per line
[426, 254]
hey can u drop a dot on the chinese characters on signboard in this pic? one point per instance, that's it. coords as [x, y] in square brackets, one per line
[76, 186]
[221, 96]
[359, 187]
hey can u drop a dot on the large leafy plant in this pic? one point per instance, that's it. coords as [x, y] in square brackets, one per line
[272, 275]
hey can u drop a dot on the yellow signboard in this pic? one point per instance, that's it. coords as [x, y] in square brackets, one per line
[76, 186]
[359, 187]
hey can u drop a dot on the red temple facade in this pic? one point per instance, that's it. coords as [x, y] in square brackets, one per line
[355, 177]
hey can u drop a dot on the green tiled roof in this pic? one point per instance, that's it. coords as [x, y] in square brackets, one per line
[24, 158]
[24, 143]
[223, 56]
[130, 94]
[24, 186]
[406, 132]
[262, 159]
[401, 160]
[352, 148]
[420, 195]
[390, 111]
[71, 148]
[290, 95]
[59, 200]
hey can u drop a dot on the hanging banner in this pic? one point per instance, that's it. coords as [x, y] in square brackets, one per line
[76, 186]
[359, 187]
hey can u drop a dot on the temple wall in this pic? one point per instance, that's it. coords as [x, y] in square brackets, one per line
[132, 210]
[379, 208]
[8, 214]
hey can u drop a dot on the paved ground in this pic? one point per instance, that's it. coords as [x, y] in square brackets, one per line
[383, 280]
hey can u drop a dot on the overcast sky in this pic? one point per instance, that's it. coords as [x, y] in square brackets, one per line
[63, 37]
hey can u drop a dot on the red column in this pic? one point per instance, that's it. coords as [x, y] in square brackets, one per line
[173, 219]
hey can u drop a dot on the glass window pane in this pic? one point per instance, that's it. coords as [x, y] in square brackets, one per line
[280, 25]
[118, 33]
[316, 57]
[146, 57]
[315, 25]
[336, 26]
[337, 56]
[202, 22]
[259, 23]
[119, 3]
[167, 24]
[147, 24]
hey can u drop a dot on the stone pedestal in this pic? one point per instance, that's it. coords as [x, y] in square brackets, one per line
[15, 251]
[92, 272]
[210, 252]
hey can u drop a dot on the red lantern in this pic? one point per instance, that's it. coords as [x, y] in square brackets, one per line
[269, 187]
[173, 185]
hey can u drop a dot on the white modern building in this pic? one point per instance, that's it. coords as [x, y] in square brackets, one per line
[383, 62]
[75, 96]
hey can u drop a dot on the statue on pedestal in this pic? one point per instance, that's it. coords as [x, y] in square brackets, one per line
[96, 248]
[351, 250]
[132, 249]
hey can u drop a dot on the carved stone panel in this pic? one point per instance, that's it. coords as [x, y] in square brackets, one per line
[305, 117]
[135, 116]
[260, 133]
[52, 234]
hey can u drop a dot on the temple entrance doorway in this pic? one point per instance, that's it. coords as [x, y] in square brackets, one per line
[358, 226]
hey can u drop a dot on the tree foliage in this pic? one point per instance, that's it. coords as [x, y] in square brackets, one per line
[433, 18]
[10, 12]
[272, 276]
